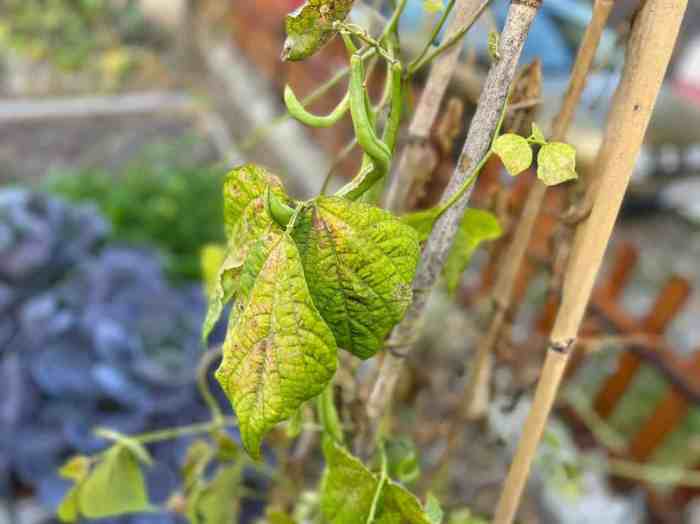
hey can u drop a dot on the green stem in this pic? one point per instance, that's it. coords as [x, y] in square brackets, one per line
[181, 431]
[454, 197]
[393, 23]
[434, 34]
[328, 415]
[380, 487]
[415, 66]
[203, 383]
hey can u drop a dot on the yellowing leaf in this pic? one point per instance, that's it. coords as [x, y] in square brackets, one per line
[211, 258]
[246, 220]
[433, 6]
[359, 262]
[556, 163]
[115, 486]
[538, 135]
[68, 510]
[310, 27]
[514, 151]
[278, 351]
[241, 186]
[348, 489]
[76, 468]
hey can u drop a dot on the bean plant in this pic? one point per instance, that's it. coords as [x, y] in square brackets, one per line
[308, 279]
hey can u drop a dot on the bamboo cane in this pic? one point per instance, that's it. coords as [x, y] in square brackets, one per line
[651, 43]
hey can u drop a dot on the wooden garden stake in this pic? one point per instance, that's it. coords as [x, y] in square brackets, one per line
[477, 387]
[651, 43]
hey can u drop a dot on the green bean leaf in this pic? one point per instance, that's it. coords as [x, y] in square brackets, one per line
[556, 163]
[310, 27]
[115, 486]
[216, 501]
[348, 489]
[477, 226]
[359, 262]
[246, 221]
[514, 151]
[278, 351]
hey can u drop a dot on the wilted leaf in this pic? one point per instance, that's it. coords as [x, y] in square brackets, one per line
[477, 226]
[359, 262]
[348, 489]
[311, 26]
[514, 151]
[115, 486]
[278, 351]
[217, 501]
[556, 163]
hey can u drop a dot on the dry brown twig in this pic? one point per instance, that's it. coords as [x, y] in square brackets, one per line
[477, 387]
[651, 43]
[477, 144]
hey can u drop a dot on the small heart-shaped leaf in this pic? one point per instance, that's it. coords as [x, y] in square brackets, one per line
[556, 163]
[514, 151]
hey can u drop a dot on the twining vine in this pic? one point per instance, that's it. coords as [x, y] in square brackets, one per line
[307, 279]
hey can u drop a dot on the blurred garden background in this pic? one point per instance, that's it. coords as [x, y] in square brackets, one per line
[119, 120]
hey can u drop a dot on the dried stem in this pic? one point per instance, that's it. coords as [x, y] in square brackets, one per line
[477, 388]
[414, 155]
[476, 146]
[651, 43]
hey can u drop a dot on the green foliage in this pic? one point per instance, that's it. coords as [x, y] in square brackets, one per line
[556, 163]
[359, 262]
[477, 226]
[465, 516]
[515, 153]
[403, 462]
[155, 201]
[433, 510]
[278, 352]
[111, 484]
[310, 27]
[349, 491]
[73, 33]
[215, 501]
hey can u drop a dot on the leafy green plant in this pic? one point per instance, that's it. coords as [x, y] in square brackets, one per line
[308, 278]
[158, 201]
